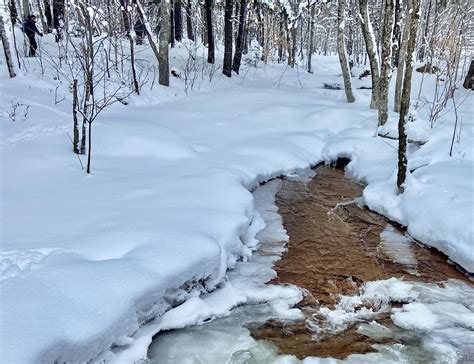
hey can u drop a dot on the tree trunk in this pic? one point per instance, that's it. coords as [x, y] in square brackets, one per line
[423, 46]
[13, 12]
[44, 23]
[163, 58]
[125, 19]
[89, 149]
[26, 8]
[75, 124]
[401, 61]
[210, 32]
[386, 61]
[47, 14]
[371, 45]
[6, 49]
[178, 21]
[189, 21]
[405, 101]
[469, 80]
[144, 20]
[227, 68]
[136, 89]
[311, 37]
[171, 20]
[396, 32]
[239, 43]
[341, 50]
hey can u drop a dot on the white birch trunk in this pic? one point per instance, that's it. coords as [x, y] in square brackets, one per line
[401, 62]
[386, 61]
[341, 49]
[6, 49]
[369, 38]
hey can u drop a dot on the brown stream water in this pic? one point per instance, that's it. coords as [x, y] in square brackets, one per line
[334, 247]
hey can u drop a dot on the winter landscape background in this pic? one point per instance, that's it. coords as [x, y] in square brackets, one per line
[164, 232]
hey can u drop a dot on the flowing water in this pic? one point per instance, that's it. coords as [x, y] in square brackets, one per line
[336, 246]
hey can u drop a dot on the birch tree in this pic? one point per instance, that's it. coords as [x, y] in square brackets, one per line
[371, 45]
[6, 49]
[386, 61]
[341, 50]
[165, 30]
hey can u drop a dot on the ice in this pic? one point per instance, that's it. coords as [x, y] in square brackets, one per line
[397, 247]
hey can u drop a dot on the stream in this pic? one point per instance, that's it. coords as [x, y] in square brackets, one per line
[371, 293]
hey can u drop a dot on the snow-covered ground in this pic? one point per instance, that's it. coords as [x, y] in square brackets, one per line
[88, 259]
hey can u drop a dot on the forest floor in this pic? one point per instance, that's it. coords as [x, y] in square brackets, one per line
[88, 260]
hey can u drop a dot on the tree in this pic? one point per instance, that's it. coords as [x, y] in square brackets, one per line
[227, 68]
[405, 99]
[401, 61]
[386, 64]
[178, 21]
[311, 34]
[341, 50]
[6, 49]
[371, 45]
[239, 43]
[210, 32]
[163, 58]
[189, 20]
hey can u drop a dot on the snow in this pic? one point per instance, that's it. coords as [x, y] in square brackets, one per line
[86, 260]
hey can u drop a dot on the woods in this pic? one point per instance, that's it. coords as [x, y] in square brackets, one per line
[381, 37]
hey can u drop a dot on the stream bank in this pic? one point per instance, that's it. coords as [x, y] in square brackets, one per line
[365, 285]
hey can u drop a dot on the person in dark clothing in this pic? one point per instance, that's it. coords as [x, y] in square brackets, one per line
[139, 29]
[30, 30]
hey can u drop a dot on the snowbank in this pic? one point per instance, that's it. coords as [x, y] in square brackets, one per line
[87, 260]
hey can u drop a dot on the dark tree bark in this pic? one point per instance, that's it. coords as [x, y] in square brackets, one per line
[405, 100]
[239, 44]
[178, 21]
[189, 21]
[171, 22]
[469, 80]
[227, 68]
[75, 123]
[311, 36]
[125, 20]
[396, 38]
[47, 13]
[13, 12]
[210, 32]
[165, 29]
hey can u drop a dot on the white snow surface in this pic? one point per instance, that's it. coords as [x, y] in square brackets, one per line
[86, 260]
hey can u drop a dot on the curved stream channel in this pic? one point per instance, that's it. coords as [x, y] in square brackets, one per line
[371, 293]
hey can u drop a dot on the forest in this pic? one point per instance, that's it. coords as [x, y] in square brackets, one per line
[237, 181]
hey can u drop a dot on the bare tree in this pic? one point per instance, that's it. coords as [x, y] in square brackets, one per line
[369, 38]
[210, 32]
[401, 60]
[341, 50]
[386, 61]
[227, 68]
[165, 35]
[239, 43]
[6, 49]
[414, 11]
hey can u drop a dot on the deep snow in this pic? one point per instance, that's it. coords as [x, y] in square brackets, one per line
[87, 260]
